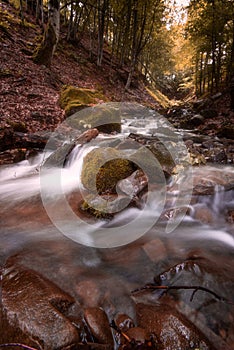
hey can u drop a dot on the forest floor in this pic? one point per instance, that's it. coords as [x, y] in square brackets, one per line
[29, 93]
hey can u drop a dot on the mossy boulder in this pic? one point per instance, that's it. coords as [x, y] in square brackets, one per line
[103, 168]
[105, 117]
[73, 99]
[163, 156]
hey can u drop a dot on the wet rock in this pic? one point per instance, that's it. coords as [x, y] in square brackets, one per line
[216, 180]
[209, 113]
[155, 250]
[172, 329]
[175, 213]
[230, 216]
[124, 322]
[13, 156]
[34, 310]
[163, 156]
[203, 214]
[219, 156]
[105, 117]
[103, 168]
[133, 184]
[89, 293]
[105, 206]
[167, 153]
[137, 334]
[196, 120]
[60, 156]
[98, 324]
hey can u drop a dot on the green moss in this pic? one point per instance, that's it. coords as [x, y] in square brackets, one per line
[98, 214]
[161, 98]
[5, 73]
[72, 99]
[7, 19]
[102, 173]
[18, 126]
[15, 3]
[105, 117]
[44, 51]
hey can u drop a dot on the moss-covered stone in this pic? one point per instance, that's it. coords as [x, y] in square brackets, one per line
[105, 117]
[103, 168]
[73, 99]
[163, 156]
[91, 206]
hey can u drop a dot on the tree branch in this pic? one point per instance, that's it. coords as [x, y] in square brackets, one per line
[194, 288]
[23, 346]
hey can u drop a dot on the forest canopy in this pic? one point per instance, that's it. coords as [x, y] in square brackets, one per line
[176, 48]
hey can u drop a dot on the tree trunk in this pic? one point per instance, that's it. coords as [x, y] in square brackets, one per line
[46, 49]
[213, 43]
[102, 9]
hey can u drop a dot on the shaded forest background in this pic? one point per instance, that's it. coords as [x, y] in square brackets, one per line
[157, 53]
[176, 49]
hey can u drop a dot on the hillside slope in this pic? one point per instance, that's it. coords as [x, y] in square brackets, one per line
[30, 93]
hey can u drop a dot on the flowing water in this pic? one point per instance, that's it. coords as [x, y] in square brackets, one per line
[28, 233]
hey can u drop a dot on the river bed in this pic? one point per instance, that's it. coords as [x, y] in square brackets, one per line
[98, 275]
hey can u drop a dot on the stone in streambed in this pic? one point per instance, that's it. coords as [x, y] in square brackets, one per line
[59, 157]
[98, 324]
[124, 322]
[34, 310]
[104, 206]
[138, 336]
[171, 328]
[196, 120]
[203, 214]
[230, 215]
[103, 168]
[89, 293]
[155, 250]
[217, 180]
[133, 184]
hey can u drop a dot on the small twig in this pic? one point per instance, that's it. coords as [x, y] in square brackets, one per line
[196, 288]
[23, 346]
[118, 330]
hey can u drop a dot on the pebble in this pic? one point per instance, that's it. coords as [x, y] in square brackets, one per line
[98, 323]
[155, 250]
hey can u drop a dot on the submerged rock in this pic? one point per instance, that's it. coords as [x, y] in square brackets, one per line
[98, 323]
[34, 310]
[59, 157]
[171, 328]
[133, 184]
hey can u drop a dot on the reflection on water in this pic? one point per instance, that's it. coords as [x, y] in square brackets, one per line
[27, 231]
